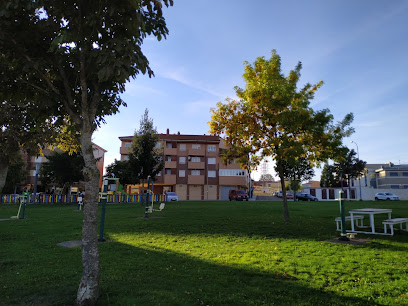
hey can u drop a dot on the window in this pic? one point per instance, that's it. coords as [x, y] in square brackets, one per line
[212, 148]
[168, 158]
[125, 157]
[169, 145]
[404, 173]
[231, 172]
[168, 171]
[212, 173]
[195, 172]
[394, 186]
[212, 160]
[128, 144]
[195, 159]
[182, 160]
[393, 173]
[182, 147]
[196, 146]
[158, 145]
[182, 173]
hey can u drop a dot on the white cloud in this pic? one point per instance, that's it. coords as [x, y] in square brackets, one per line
[134, 89]
[199, 107]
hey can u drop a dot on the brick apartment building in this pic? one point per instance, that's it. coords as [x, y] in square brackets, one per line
[193, 168]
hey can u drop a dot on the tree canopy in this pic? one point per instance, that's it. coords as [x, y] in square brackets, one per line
[145, 158]
[16, 174]
[62, 168]
[273, 118]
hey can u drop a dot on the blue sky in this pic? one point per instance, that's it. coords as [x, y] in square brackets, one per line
[358, 48]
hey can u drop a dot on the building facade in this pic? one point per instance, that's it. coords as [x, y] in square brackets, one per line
[193, 167]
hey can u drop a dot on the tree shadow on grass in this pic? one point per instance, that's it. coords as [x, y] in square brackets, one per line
[150, 276]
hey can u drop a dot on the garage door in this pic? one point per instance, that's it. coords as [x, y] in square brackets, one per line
[195, 192]
[225, 191]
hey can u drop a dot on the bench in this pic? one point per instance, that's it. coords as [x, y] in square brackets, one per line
[391, 222]
[348, 218]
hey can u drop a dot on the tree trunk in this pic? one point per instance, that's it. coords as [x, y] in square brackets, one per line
[285, 200]
[142, 199]
[4, 165]
[88, 290]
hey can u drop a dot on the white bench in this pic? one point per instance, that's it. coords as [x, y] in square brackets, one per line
[348, 218]
[391, 222]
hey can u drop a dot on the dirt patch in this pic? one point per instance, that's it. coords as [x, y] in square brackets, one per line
[353, 241]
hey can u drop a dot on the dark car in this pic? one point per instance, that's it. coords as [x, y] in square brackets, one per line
[238, 195]
[305, 197]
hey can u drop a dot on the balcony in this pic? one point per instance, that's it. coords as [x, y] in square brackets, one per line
[196, 165]
[124, 150]
[196, 152]
[170, 151]
[170, 179]
[233, 180]
[195, 180]
[170, 164]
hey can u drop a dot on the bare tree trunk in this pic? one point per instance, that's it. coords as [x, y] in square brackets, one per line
[4, 165]
[88, 290]
[285, 200]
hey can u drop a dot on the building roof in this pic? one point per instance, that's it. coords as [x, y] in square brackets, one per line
[183, 138]
[100, 148]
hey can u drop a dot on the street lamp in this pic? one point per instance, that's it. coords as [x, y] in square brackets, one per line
[358, 156]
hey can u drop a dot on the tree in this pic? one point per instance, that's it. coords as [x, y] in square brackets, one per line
[327, 178]
[22, 127]
[62, 168]
[80, 55]
[349, 167]
[145, 159]
[122, 171]
[16, 174]
[267, 178]
[296, 171]
[273, 118]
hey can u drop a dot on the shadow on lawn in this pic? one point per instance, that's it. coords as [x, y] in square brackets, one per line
[155, 276]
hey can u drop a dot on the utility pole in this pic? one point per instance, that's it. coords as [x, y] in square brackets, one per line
[358, 155]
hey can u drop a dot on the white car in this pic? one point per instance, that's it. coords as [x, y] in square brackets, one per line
[386, 196]
[172, 196]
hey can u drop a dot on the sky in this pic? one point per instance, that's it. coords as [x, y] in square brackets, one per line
[358, 48]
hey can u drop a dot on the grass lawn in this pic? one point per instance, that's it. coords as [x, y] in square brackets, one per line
[205, 253]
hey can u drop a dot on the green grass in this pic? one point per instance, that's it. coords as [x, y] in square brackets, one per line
[204, 253]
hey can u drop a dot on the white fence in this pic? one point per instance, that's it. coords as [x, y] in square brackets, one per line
[367, 193]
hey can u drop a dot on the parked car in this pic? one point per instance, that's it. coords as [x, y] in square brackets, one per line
[279, 194]
[238, 195]
[289, 196]
[386, 196]
[172, 196]
[305, 197]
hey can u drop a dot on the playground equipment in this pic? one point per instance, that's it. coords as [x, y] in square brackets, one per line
[104, 196]
[23, 203]
[80, 202]
[161, 207]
